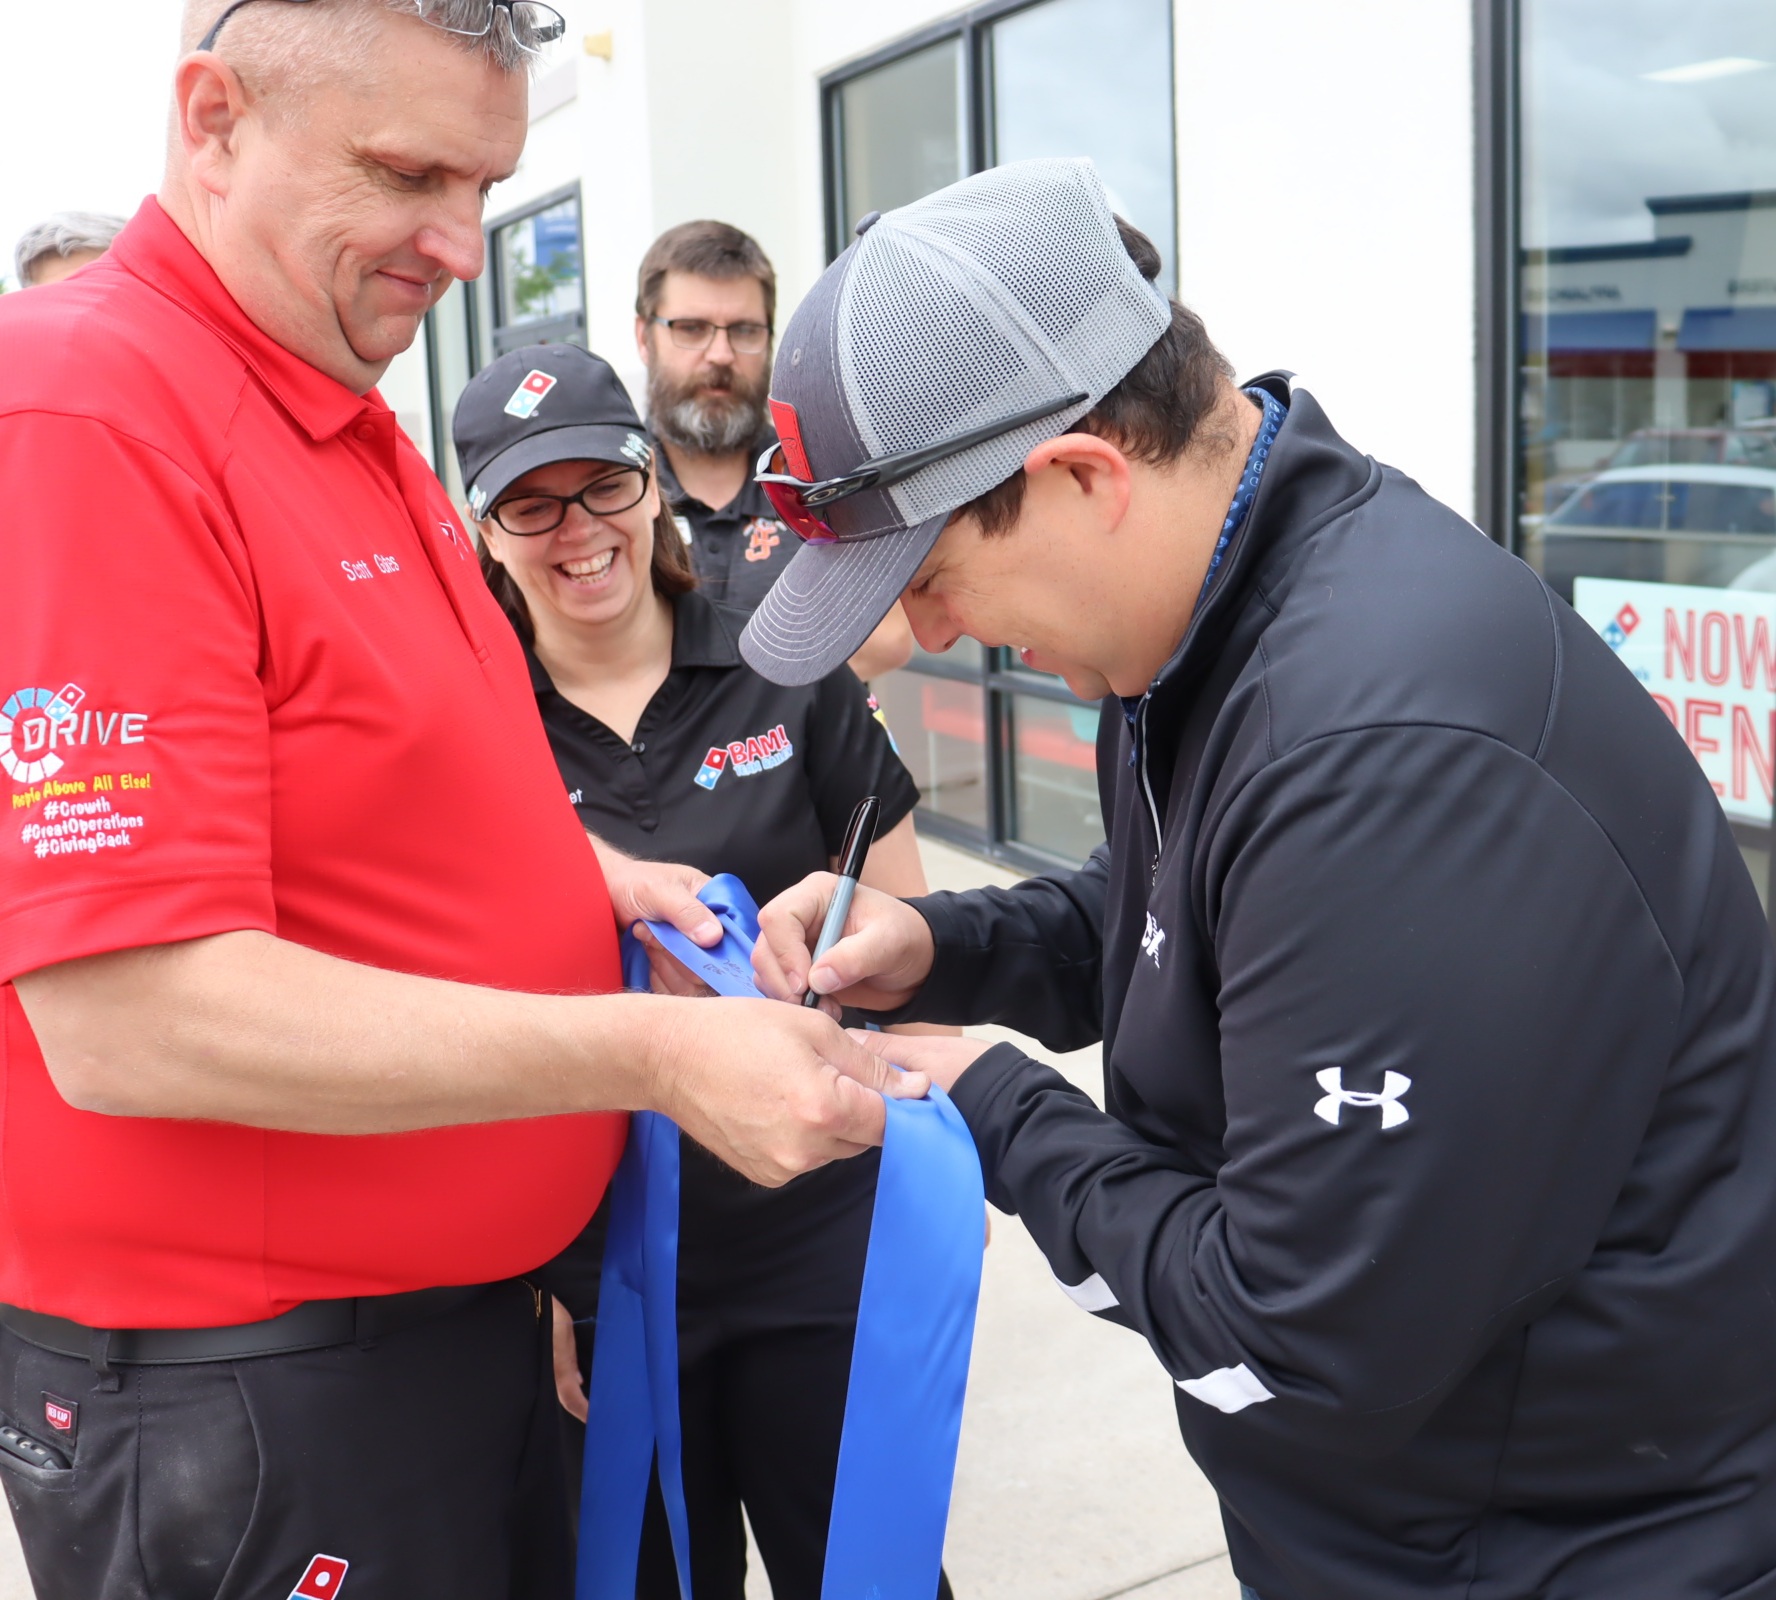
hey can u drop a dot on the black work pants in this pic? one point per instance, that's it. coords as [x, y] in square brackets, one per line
[428, 1459]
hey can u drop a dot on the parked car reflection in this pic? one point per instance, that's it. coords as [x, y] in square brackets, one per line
[1698, 524]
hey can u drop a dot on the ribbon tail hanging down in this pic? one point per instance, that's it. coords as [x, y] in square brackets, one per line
[909, 1366]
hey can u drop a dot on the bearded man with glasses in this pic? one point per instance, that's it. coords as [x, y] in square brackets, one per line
[307, 1040]
[705, 300]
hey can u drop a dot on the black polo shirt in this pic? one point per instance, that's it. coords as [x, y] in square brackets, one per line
[739, 550]
[730, 773]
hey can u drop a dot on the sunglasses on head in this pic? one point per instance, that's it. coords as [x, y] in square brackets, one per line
[533, 25]
[797, 501]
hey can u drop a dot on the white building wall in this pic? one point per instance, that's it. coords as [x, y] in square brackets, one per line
[1326, 208]
[1325, 181]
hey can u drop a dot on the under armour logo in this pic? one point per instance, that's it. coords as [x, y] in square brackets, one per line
[1152, 939]
[1393, 1086]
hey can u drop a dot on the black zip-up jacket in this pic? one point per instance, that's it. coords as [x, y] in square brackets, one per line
[1439, 1166]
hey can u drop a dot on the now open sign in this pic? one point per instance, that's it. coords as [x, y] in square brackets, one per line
[1708, 658]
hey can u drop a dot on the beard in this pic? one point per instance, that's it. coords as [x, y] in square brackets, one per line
[714, 412]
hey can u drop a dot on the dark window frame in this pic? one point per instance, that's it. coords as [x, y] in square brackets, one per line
[999, 675]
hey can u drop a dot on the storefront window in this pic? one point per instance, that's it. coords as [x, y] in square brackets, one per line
[897, 132]
[1647, 374]
[1091, 78]
[940, 728]
[1003, 757]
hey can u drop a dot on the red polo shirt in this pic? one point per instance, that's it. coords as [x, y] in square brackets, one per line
[250, 677]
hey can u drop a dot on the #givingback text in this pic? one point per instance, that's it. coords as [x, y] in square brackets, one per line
[79, 827]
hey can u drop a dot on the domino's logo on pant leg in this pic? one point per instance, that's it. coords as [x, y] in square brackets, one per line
[323, 1579]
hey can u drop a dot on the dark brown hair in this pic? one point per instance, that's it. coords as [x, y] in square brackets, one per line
[1155, 413]
[705, 250]
[670, 569]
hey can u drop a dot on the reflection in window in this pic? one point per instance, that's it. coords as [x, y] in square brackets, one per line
[1647, 395]
[1092, 78]
[940, 729]
[898, 133]
[1054, 748]
[540, 265]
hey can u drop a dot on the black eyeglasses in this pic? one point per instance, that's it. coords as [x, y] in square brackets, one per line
[530, 514]
[533, 25]
[695, 333]
[794, 499]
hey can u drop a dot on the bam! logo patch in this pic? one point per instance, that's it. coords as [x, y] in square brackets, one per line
[529, 395]
[323, 1580]
[760, 753]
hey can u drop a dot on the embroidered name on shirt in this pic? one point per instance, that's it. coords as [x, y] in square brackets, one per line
[757, 754]
[363, 572]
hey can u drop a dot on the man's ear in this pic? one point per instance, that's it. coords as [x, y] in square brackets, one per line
[1086, 475]
[642, 328]
[210, 105]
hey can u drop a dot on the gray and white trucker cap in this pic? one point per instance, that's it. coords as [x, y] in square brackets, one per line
[973, 305]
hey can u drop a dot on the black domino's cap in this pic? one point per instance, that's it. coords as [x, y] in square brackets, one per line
[541, 404]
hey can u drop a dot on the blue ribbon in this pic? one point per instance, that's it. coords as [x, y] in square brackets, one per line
[909, 1362]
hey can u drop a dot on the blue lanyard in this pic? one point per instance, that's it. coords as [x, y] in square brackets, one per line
[909, 1360]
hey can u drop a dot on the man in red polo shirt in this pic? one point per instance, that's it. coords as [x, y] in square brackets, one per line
[310, 962]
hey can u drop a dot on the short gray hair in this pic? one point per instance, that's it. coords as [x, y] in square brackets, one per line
[276, 43]
[67, 233]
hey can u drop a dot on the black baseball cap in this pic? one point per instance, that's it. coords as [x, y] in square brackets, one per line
[544, 403]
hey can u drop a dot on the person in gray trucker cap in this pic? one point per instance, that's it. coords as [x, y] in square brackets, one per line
[1437, 1161]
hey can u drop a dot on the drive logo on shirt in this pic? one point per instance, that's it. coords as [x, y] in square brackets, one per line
[529, 395]
[757, 754]
[763, 535]
[38, 727]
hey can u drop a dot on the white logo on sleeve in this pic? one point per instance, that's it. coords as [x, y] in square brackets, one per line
[1152, 939]
[1393, 1086]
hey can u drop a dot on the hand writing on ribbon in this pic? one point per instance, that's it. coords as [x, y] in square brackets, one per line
[773, 1090]
[879, 965]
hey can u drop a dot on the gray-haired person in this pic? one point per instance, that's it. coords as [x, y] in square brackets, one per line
[312, 1044]
[63, 244]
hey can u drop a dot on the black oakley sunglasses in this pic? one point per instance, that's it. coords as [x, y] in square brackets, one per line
[794, 499]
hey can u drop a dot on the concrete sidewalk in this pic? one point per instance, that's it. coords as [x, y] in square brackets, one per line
[1072, 1483]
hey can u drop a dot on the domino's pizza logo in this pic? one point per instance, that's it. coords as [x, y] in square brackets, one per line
[323, 1579]
[1620, 626]
[31, 721]
[529, 395]
[747, 757]
[709, 774]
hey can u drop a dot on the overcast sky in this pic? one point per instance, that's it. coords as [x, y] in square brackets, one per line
[84, 118]
[1600, 137]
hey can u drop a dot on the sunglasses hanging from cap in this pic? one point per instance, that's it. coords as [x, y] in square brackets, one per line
[796, 500]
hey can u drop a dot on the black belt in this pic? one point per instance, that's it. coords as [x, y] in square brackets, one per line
[313, 1325]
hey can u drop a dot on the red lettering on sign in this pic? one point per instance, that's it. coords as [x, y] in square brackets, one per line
[1757, 655]
[1680, 647]
[1700, 743]
[1748, 752]
[1717, 648]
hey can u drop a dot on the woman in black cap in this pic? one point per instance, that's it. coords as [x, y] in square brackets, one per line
[672, 748]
